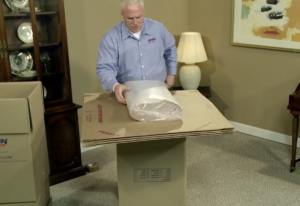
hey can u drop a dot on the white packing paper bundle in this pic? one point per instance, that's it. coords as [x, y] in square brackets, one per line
[150, 100]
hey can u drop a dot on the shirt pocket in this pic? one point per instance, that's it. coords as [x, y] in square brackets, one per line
[154, 53]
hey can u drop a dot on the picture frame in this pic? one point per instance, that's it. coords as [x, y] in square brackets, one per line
[268, 24]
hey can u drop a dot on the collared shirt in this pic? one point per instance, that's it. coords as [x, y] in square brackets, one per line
[122, 57]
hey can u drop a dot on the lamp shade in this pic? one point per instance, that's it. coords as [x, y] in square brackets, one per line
[190, 48]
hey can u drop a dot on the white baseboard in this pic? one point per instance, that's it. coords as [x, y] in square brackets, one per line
[265, 134]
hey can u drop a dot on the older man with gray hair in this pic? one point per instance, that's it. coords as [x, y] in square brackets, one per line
[137, 48]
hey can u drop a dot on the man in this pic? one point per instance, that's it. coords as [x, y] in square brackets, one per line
[135, 49]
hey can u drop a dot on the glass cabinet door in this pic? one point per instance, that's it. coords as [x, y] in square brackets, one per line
[17, 39]
[34, 39]
[2, 57]
[52, 43]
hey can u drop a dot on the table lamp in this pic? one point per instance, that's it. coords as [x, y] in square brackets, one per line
[190, 51]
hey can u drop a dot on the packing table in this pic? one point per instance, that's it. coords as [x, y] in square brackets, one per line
[150, 172]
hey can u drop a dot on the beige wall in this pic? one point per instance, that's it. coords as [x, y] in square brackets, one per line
[249, 85]
[87, 21]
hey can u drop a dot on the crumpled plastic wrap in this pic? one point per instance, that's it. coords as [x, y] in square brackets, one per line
[150, 100]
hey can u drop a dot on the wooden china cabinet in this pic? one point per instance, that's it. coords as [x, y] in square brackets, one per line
[33, 38]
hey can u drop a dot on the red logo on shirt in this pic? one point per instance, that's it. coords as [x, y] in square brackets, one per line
[151, 40]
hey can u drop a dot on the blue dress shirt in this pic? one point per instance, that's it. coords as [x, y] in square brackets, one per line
[122, 57]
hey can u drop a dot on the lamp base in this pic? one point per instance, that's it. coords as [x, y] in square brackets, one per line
[189, 77]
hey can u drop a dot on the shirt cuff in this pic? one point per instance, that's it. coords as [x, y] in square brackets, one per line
[172, 71]
[114, 87]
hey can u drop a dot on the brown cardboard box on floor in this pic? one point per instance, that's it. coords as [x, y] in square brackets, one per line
[44, 198]
[152, 173]
[24, 161]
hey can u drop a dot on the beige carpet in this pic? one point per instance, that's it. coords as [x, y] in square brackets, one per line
[234, 169]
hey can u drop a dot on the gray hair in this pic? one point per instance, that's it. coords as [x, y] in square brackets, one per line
[131, 2]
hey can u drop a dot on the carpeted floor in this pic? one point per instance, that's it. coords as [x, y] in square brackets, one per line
[235, 169]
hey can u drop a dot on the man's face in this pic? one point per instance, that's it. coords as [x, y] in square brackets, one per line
[133, 16]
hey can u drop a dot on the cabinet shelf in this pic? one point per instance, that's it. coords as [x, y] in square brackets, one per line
[46, 13]
[14, 14]
[20, 46]
[47, 78]
[30, 45]
[48, 44]
[22, 79]
[53, 76]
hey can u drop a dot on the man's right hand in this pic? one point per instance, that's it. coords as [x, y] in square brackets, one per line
[119, 89]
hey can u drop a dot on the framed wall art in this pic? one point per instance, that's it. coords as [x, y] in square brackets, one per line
[270, 24]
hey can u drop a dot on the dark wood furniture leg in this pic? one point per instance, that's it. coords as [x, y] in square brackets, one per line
[63, 142]
[294, 107]
[294, 142]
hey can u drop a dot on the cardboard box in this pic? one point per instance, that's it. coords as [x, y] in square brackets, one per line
[44, 198]
[107, 121]
[24, 165]
[152, 173]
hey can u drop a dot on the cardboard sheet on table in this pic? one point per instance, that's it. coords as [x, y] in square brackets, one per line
[106, 120]
[154, 137]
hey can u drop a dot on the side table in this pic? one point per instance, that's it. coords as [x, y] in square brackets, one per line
[205, 91]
